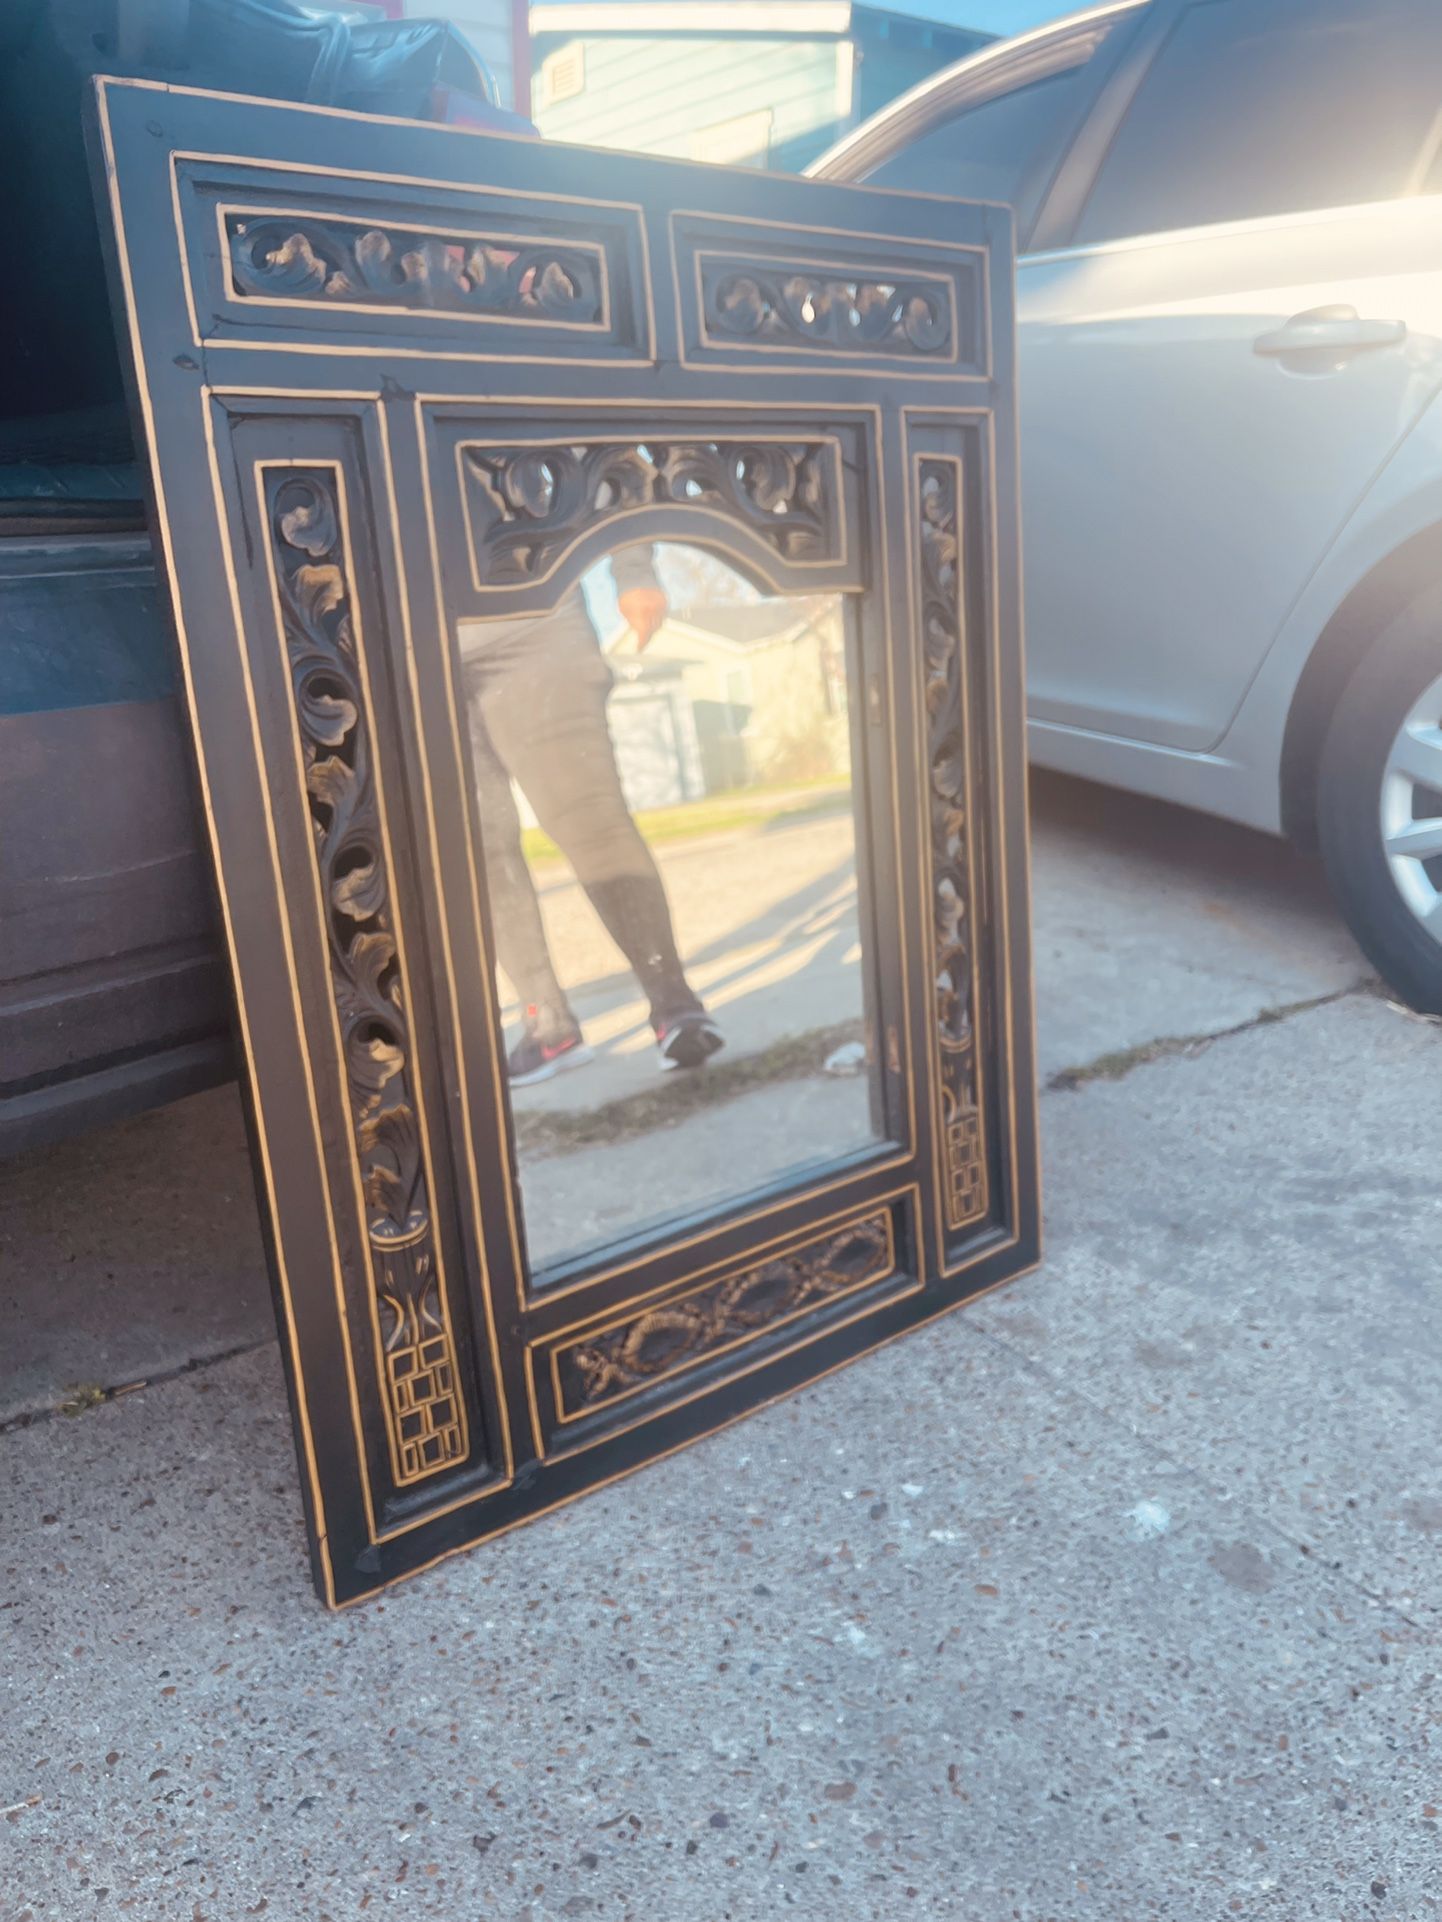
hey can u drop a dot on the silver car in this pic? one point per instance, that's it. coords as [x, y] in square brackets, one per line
[1229, 217]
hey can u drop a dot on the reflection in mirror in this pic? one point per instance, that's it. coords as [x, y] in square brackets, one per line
[663, 784]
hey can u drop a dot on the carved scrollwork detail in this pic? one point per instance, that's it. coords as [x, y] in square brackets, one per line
[681, 1332]
[954, 932]
[420, 1389]
[529, 504]
[829, 312]
[341, 263]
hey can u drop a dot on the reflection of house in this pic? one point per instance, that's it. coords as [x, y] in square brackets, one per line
[750, 694]
[757, 83]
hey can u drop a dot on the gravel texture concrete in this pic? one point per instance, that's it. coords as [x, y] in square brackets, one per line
[1111, 1597]
[129, 1253]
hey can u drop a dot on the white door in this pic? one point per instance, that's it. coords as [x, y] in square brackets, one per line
[1204, 403]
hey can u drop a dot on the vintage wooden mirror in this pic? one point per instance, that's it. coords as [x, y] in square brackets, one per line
[596, 582]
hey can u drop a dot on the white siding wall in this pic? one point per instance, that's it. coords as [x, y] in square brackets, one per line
[659, 95]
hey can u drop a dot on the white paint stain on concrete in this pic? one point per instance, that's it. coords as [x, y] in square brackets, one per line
[1148, 1520]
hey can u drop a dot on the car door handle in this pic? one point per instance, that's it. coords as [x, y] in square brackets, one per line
[1338, 329]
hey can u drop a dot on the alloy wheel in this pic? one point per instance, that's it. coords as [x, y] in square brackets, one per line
[1411, 809]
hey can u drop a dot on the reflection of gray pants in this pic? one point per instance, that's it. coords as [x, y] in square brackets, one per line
[537, 692]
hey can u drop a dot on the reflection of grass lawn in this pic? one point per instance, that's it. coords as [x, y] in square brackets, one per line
[677, 1095]
[753, 808]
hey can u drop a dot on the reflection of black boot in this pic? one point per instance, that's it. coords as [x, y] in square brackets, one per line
[638, 920]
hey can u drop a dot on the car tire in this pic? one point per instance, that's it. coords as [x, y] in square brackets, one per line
[1377, 812]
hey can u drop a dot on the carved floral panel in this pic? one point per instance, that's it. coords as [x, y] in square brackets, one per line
[306, 257]
[833, 312]
[425, 1417]
[953, 885]
[527, 505]
[689, 1329]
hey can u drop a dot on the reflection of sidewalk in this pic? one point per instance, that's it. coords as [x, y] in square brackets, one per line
[742, 1142]
[767, 924]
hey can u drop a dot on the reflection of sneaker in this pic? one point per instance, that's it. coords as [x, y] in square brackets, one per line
[688, 1041]
[533, 1059]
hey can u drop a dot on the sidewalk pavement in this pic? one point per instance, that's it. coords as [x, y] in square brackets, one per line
[1112, 1596]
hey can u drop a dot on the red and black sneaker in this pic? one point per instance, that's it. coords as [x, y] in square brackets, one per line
[536, 1057]
[688, 1041]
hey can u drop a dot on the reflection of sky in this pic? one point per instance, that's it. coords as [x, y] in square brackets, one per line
[672, 561]
[599, 587]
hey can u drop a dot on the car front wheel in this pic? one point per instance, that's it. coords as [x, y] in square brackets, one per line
[1379, 804]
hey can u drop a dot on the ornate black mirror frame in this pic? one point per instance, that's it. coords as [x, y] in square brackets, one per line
[391, 376]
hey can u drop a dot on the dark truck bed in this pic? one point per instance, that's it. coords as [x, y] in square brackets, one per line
[113, 989]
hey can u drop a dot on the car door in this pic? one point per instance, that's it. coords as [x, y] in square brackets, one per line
[1247, 321]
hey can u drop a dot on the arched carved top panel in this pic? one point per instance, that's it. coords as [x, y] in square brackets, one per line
[529, 505]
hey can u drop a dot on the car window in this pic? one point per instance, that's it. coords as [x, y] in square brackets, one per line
[1256, 107]
[986, 153]
[991, 149]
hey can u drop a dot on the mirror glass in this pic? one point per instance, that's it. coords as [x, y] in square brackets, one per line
[663, 774]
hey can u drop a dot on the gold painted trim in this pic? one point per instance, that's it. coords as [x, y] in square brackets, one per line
[543, 323]
[709, 1278]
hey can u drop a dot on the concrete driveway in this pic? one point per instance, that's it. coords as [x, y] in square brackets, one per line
[1113, 1596]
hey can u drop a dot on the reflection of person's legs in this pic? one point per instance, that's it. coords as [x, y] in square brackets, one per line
[547, 719]
[515, 913]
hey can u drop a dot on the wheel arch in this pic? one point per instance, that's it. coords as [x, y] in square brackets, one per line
[1369, 605]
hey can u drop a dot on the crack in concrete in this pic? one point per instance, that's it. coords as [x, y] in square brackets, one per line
[83, 1397]
[1118, 1063]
